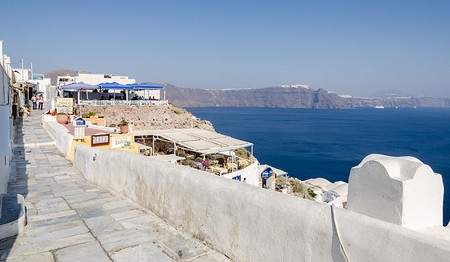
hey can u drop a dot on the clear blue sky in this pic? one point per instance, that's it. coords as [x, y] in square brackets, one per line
[350, 47]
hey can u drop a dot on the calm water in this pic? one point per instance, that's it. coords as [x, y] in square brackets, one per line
[327, 143]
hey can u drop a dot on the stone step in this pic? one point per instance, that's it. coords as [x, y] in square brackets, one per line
[13, 215]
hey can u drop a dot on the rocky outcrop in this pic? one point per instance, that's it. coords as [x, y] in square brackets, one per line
[148, 117]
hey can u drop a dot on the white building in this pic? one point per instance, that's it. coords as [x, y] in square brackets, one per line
[6, 120]
[94, 79]
[327, 192]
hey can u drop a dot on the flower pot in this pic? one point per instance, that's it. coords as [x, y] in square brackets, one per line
[123, 129]
[62, 119]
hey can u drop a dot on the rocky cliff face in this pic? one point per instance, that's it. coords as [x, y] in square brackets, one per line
[263, 97]
[290, 97]
[148, 117]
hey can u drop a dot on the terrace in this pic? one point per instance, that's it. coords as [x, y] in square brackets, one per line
[201, 149]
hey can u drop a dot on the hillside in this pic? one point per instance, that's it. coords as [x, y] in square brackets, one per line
[291, 97]
[286, 96]
[282, 97]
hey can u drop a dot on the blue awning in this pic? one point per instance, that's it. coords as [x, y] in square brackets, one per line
[78, 86]
[115, 85]
[144, 86]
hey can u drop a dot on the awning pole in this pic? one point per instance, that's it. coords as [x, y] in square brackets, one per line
[153, 145]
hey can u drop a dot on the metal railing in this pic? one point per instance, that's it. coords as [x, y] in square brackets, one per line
[123, 102]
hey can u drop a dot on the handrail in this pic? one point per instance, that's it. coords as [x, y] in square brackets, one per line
[123, 102]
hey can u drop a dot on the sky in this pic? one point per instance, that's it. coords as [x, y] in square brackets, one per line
[348, 47]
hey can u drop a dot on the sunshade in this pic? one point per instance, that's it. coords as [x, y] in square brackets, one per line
[144, 86]
[115, 85]
[79, 86]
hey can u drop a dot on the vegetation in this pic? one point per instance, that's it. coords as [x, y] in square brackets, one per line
[27, 105]
[123, 122]
[244, 153]
[91, 113]
[299, 189]
[178, 111]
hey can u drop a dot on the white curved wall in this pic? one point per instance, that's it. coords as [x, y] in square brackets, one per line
[250, 224]
[400, 190]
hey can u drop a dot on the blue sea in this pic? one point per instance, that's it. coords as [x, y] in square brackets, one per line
[309, 143]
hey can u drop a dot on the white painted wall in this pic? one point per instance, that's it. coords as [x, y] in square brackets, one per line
[58, 132]
[250, 172]
[400, 190]
[250, 224]
[5, 120]
[95, 79]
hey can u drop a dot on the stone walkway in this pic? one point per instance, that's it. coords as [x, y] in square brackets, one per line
[70, 219]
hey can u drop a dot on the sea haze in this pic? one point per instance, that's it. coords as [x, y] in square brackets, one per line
[310, 143]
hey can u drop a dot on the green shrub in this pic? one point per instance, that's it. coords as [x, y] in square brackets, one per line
[178, 111]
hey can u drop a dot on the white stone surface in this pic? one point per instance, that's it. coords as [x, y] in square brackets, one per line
[399, 190]
[249, 224]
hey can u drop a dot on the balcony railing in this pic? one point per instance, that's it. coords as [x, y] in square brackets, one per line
[123, 102]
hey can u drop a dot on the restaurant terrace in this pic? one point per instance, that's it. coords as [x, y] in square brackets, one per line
[115, 94]
[223, 154]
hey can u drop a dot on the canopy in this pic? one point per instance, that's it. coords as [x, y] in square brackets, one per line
[78, 86]
[197, 140]
[115, 85]
[144, 86]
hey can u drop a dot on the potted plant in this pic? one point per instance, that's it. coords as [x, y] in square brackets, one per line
[27, 106]
[62, 118]
[123, 125]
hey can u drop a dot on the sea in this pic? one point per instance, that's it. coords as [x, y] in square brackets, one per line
[310, 143]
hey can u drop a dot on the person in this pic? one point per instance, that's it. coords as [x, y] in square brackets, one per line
[33, 100]
[245, 180]
[41, 102]
[204, 164]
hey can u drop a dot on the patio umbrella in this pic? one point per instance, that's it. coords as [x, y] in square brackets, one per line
[77, 87]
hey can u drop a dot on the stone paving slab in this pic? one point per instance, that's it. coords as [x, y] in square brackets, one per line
[70, 219]
[89, 251]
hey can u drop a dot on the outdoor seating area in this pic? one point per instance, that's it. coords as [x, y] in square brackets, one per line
[108, 94]
[200, 149]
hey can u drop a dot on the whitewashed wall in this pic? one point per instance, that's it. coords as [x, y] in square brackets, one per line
[250, 224]
[5, 121]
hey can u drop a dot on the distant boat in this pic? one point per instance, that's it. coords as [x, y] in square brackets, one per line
[379, 107]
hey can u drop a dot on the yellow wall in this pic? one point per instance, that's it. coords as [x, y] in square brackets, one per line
[87, 141]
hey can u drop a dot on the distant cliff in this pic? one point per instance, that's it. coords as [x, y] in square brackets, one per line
[291, 97]
[283, 97]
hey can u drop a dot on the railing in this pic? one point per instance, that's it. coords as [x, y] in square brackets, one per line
[123, 102]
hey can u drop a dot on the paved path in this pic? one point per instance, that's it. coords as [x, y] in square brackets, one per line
[70, 219]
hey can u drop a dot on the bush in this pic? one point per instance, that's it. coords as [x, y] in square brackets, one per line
[178, 111]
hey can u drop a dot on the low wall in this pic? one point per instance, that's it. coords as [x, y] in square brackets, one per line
[59, 133]
[17, 225]
[247, 223]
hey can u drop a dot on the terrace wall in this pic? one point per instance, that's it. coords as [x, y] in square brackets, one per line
[249, 224]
